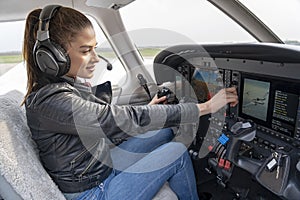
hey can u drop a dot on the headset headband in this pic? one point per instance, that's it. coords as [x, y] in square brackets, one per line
[46, 14]
[50, 57]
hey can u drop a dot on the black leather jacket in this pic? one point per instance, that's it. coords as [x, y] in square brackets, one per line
[74, 130]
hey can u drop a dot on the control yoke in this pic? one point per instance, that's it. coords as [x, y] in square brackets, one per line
[241, 131]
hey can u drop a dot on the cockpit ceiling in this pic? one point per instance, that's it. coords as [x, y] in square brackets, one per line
[113, 4]
[14, 10]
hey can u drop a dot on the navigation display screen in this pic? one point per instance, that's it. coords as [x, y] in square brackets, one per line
[256, 98]
[270, 102]
[284, 112]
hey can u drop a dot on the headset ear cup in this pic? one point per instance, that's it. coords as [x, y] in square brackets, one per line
[52, 58]
[63, 59]
[46, 62]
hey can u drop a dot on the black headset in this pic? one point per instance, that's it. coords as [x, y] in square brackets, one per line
[50, 57]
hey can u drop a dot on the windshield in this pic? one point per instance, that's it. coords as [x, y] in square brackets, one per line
[282, 17]
[172, 22]
[198, 21]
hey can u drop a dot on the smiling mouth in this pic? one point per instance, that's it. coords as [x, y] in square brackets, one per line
[91, 68]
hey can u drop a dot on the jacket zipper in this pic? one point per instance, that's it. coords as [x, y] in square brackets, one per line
[81, 154]
[91, 163]
[87, 168]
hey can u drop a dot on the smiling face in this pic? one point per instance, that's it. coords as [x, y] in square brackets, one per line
[82, 54]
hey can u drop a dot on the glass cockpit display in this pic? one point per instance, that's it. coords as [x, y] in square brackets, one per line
[256, 98]
[284, 112]
[270, 102]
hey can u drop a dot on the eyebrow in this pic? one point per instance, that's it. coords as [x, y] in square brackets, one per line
[88, 46]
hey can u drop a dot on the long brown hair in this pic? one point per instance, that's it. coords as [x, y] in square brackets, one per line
[63, 29]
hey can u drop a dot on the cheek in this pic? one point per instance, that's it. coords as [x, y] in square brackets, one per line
[77, 62]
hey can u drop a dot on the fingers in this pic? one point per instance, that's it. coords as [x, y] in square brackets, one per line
[231, 96]
[156, 100]
[231, 89]
[161, 99]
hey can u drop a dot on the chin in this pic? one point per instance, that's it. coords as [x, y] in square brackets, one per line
[89, 76]
[86, 75]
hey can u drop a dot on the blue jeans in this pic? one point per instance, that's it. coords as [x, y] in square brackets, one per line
[153, 160]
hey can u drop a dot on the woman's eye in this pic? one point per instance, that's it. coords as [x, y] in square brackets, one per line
[89, 50]
[86, 51]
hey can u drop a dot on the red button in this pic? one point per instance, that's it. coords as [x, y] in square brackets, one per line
[221, 163]
[227, 165]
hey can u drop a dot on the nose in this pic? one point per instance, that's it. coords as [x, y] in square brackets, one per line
[95, 57]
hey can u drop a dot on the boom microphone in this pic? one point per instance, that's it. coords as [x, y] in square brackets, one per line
[109, 65]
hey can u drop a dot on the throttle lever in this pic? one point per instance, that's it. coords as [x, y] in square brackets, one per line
[241, 131]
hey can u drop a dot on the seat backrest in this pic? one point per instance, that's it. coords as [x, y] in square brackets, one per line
[22, 175]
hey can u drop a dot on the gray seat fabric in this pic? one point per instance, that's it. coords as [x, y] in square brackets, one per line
[7, 191]
[20, 168]
[22, 175]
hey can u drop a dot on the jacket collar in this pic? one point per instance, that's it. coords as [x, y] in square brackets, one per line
[102, 91]
[70, 80]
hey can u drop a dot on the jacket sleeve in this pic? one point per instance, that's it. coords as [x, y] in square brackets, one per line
[66, 112]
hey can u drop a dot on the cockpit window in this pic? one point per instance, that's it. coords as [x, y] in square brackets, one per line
[104, 49]
[170, 22]
[282, 17]
[11, 37]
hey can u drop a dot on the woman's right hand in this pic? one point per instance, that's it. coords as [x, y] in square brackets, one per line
[219, 100]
